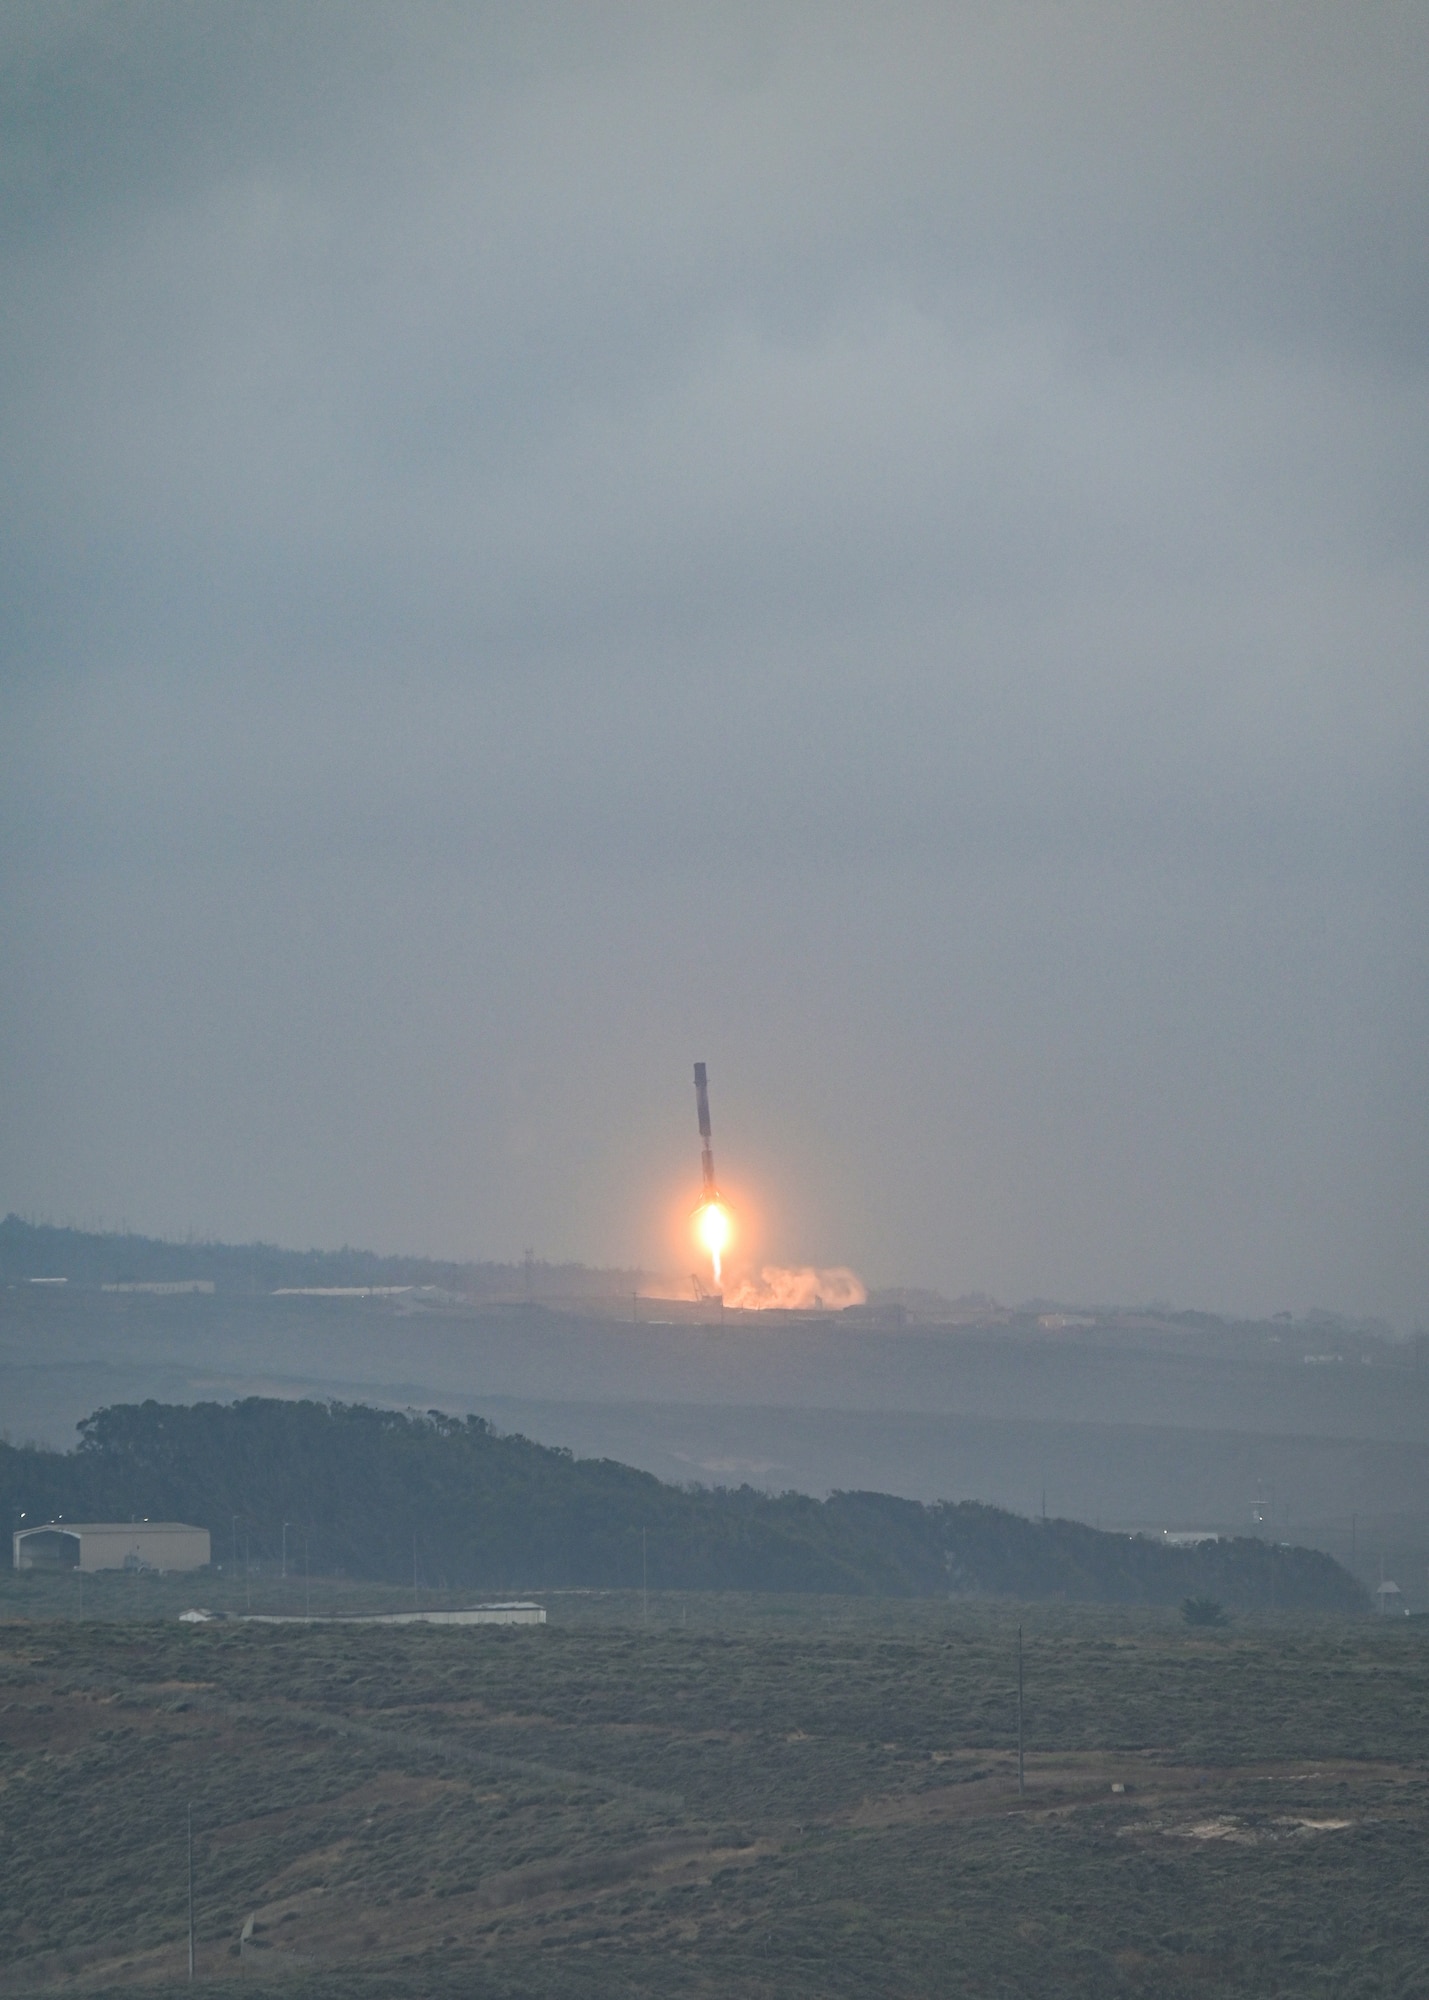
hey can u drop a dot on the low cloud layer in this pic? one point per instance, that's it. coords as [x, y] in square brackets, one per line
[884, 550]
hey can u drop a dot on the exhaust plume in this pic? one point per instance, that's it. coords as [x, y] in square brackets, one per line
[795, 1290]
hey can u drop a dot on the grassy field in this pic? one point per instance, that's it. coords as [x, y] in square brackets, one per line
[731, 1796]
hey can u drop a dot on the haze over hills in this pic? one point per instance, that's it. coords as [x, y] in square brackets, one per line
[1313, 1429]
[41, 1251]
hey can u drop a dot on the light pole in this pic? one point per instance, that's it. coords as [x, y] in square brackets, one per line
[1021, 1778]
[191, 1893]
[286, 1526]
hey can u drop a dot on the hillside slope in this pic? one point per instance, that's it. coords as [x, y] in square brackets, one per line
[367, 1488]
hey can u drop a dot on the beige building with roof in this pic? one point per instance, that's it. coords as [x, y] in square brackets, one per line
[92, 1545]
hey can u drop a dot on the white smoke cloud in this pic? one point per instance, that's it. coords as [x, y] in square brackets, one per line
[801, 1288]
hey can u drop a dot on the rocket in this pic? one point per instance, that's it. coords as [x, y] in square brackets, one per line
[712, 1217]
[702, 1101]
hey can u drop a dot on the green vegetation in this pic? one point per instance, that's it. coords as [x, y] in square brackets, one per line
[738, 1797]
[1204, 1611]
[373, 1493]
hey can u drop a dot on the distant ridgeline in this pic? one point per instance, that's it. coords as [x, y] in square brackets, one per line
[501, 1513]
[38, 1250]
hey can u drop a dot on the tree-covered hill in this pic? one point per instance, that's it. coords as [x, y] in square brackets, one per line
[366, 1488]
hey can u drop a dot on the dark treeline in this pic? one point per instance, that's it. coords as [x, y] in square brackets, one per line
[364, 1487]
[31, 1250]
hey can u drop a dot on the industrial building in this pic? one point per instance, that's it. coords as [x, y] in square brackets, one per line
[92, 1545]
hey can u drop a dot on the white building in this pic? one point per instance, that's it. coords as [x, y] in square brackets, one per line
[522, 1613]
[91, 1545]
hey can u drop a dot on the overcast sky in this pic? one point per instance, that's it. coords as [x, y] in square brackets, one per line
[881, 547]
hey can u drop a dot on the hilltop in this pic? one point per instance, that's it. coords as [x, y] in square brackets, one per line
[32, 1252]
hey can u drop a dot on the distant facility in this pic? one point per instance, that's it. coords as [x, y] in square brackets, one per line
[91, 1545]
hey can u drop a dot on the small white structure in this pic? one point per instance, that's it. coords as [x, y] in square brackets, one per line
[91, 1545]
[1389, 1597]
[478, 1614]
[166, 1289]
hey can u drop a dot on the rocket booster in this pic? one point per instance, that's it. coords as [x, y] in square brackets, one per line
[702, 1101]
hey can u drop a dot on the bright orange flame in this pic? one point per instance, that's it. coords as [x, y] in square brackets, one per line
[713, 1225]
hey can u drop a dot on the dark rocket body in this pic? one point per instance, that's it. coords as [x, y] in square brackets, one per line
[702, 1101]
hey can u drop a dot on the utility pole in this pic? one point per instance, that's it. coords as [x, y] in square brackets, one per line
[247, 1574]
[285, 1549]
[414, 1569]
[191, 1893]
[644, 1575]
[1021, 1773]
[307, 1581]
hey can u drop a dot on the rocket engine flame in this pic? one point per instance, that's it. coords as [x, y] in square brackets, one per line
[712, 1222]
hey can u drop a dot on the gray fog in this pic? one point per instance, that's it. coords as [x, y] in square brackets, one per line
[882, 548]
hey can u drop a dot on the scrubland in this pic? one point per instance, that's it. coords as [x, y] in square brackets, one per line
[710, 1794]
